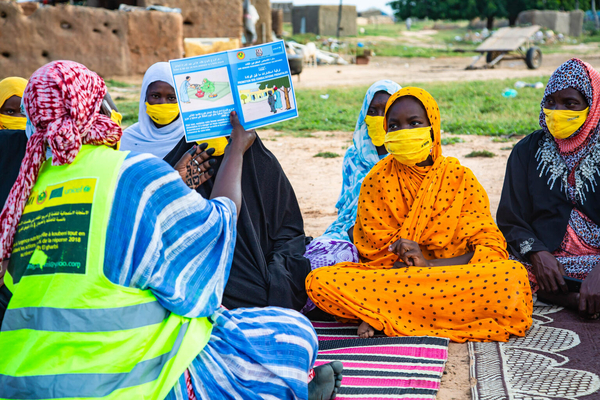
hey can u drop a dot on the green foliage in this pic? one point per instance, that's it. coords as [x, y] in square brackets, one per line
[327, 154]
[451, 140]
[284, 81]
[129, 110]
[468, 9]
[480, 153]
[113, 83]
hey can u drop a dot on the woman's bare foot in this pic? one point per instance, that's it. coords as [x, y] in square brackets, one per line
[327, 381]
[365, 330]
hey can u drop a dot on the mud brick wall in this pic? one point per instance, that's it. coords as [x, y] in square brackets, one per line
[111, 43]
[207, 18]
[264, 11]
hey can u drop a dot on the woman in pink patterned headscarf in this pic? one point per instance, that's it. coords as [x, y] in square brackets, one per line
[63, 101]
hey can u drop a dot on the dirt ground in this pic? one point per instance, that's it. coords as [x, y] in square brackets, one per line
[317, 182]
[405, 70]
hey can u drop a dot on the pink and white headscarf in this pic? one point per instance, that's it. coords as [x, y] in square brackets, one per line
[62, 101]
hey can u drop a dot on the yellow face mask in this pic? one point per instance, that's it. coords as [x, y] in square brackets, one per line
[375, 129]
[218, 144]
[162, 114]
[409, 146]
[564, 123]
[9, 122]
[116, 117]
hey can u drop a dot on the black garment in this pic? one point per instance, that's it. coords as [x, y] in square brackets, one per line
[269, 267]
[5, 296]
[12, 151]
[530, 215]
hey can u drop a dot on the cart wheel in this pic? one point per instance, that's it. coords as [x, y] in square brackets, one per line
[491, 56]
[533, 58]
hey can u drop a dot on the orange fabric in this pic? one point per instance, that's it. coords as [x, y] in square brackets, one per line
[446, 211]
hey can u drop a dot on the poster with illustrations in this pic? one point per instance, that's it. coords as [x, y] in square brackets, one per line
[253, 81]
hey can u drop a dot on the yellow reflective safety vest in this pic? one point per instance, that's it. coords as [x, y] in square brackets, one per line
[70, 333]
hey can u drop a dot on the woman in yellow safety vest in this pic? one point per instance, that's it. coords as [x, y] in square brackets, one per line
[117, 270]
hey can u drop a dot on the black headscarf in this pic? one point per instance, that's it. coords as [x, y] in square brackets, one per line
[268, 268]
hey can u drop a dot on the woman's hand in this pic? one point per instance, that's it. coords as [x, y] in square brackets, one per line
[589, 295]
[410, 254]
[194, 167]
[241, 139]
[548, 272]
[229, 181]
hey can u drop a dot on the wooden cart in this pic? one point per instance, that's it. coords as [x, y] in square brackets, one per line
[510, 44]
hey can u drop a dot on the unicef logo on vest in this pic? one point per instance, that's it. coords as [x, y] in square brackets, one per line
[80, 189]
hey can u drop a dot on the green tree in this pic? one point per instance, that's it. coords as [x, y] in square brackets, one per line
[282, 84]
[485, 9]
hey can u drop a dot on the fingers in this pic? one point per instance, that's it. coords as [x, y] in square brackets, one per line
[206, 176]
[203, 166]
[560, 280]
[399, 264]
[234, 120]
[582, 303]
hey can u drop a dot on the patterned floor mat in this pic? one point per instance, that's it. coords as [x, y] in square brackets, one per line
[558, 359]
[407, 368]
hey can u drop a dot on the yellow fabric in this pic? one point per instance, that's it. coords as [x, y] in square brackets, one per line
[218, 144]
[116, 116]
[10, 122]
[9, 87]
[564, 123]
[446, 211]
[409, 146]
[375, 129]
[162, 114]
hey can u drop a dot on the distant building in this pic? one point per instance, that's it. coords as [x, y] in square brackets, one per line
[323, 20]
[372, 12]
[287, 10]
[567, 23]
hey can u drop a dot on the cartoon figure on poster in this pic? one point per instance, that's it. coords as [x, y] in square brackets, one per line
[183, 90]
[262, 99]
[204, 89]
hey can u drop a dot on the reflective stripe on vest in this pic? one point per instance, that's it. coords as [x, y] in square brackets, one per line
[69, 332]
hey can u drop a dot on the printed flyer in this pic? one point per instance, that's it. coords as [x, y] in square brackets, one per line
[254, 81]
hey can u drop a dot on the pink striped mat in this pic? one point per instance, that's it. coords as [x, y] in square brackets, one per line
[383, 368]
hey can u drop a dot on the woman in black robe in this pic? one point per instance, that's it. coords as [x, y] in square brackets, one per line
[549, 210]
[268, 267]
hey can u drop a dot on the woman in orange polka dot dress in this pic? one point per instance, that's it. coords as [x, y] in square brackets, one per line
[433, 261]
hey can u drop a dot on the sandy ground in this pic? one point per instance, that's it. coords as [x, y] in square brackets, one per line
[405, 70]
[317, 182]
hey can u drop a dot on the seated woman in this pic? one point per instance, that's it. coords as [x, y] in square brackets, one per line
[158, 129]
[549, 209]
[13, 142]
[12, 132]
[129, 308]
[335, 245]
[268, 267]
[432, 260]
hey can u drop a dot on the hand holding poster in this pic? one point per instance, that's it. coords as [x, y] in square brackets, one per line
[253, 81]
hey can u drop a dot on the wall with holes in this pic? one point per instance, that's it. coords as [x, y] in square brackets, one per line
[207, 18]
[112, 43]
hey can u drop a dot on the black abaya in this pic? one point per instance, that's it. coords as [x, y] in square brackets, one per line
[268, 267]
[532, 216]
[12, 146]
